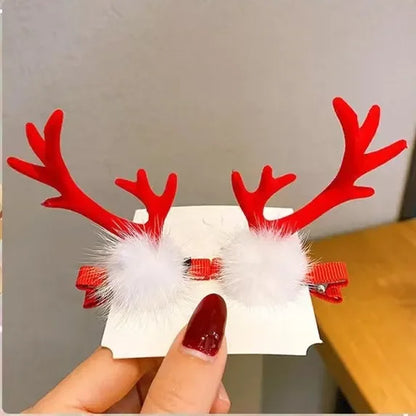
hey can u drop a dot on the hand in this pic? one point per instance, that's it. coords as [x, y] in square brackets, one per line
[188, 380]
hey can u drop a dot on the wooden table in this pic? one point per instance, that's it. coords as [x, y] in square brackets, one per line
[370, 339]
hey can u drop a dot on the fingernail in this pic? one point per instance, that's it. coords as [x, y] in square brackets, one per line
[206, 327]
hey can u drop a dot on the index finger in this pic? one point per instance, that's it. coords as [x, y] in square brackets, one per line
[96, 384]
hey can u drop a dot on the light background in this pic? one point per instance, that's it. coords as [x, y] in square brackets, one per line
[199, 87]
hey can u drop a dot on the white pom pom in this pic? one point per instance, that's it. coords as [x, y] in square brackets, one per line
[263, 268]
[142, 275]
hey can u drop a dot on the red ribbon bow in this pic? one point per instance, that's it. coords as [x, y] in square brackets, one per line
[89, 279]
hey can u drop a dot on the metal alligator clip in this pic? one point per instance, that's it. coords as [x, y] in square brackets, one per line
[325, 281]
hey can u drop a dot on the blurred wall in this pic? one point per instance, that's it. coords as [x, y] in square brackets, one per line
[199, 87]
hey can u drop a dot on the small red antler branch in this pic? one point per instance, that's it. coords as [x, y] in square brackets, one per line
[355, 164]
[157, 205]
[252, 203]
[55, 173]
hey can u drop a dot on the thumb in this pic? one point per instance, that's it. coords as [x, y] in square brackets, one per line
[190, 376]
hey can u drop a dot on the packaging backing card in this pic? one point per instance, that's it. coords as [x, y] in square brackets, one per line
[201, 231]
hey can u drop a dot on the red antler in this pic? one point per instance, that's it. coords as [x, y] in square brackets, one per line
[157, 205]
[355, 164]
[252, 203]
[55, 173]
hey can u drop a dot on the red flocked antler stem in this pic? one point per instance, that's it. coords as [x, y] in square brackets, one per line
[55, 173]
[157, 205]
[355, 163]
[252, 203]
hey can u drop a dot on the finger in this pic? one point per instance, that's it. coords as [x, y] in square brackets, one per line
[95, 385]
[132, 403]
[127, 405]
[189, 378]
[145, 382]
[222, 403]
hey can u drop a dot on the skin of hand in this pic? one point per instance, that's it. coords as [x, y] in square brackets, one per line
[187, 380]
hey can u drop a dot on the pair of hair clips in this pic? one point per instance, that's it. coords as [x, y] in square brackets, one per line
[267, 258]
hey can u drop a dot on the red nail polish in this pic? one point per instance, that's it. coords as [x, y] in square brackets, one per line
[206, 327]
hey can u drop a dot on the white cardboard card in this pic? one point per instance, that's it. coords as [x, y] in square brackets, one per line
[201, 231]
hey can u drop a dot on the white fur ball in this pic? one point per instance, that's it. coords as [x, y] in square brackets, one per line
[142, 275]
[263, 268]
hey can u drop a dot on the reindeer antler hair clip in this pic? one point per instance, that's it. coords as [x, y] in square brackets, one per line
[264, 264]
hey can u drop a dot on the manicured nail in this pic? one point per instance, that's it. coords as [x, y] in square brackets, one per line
[206, 327]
